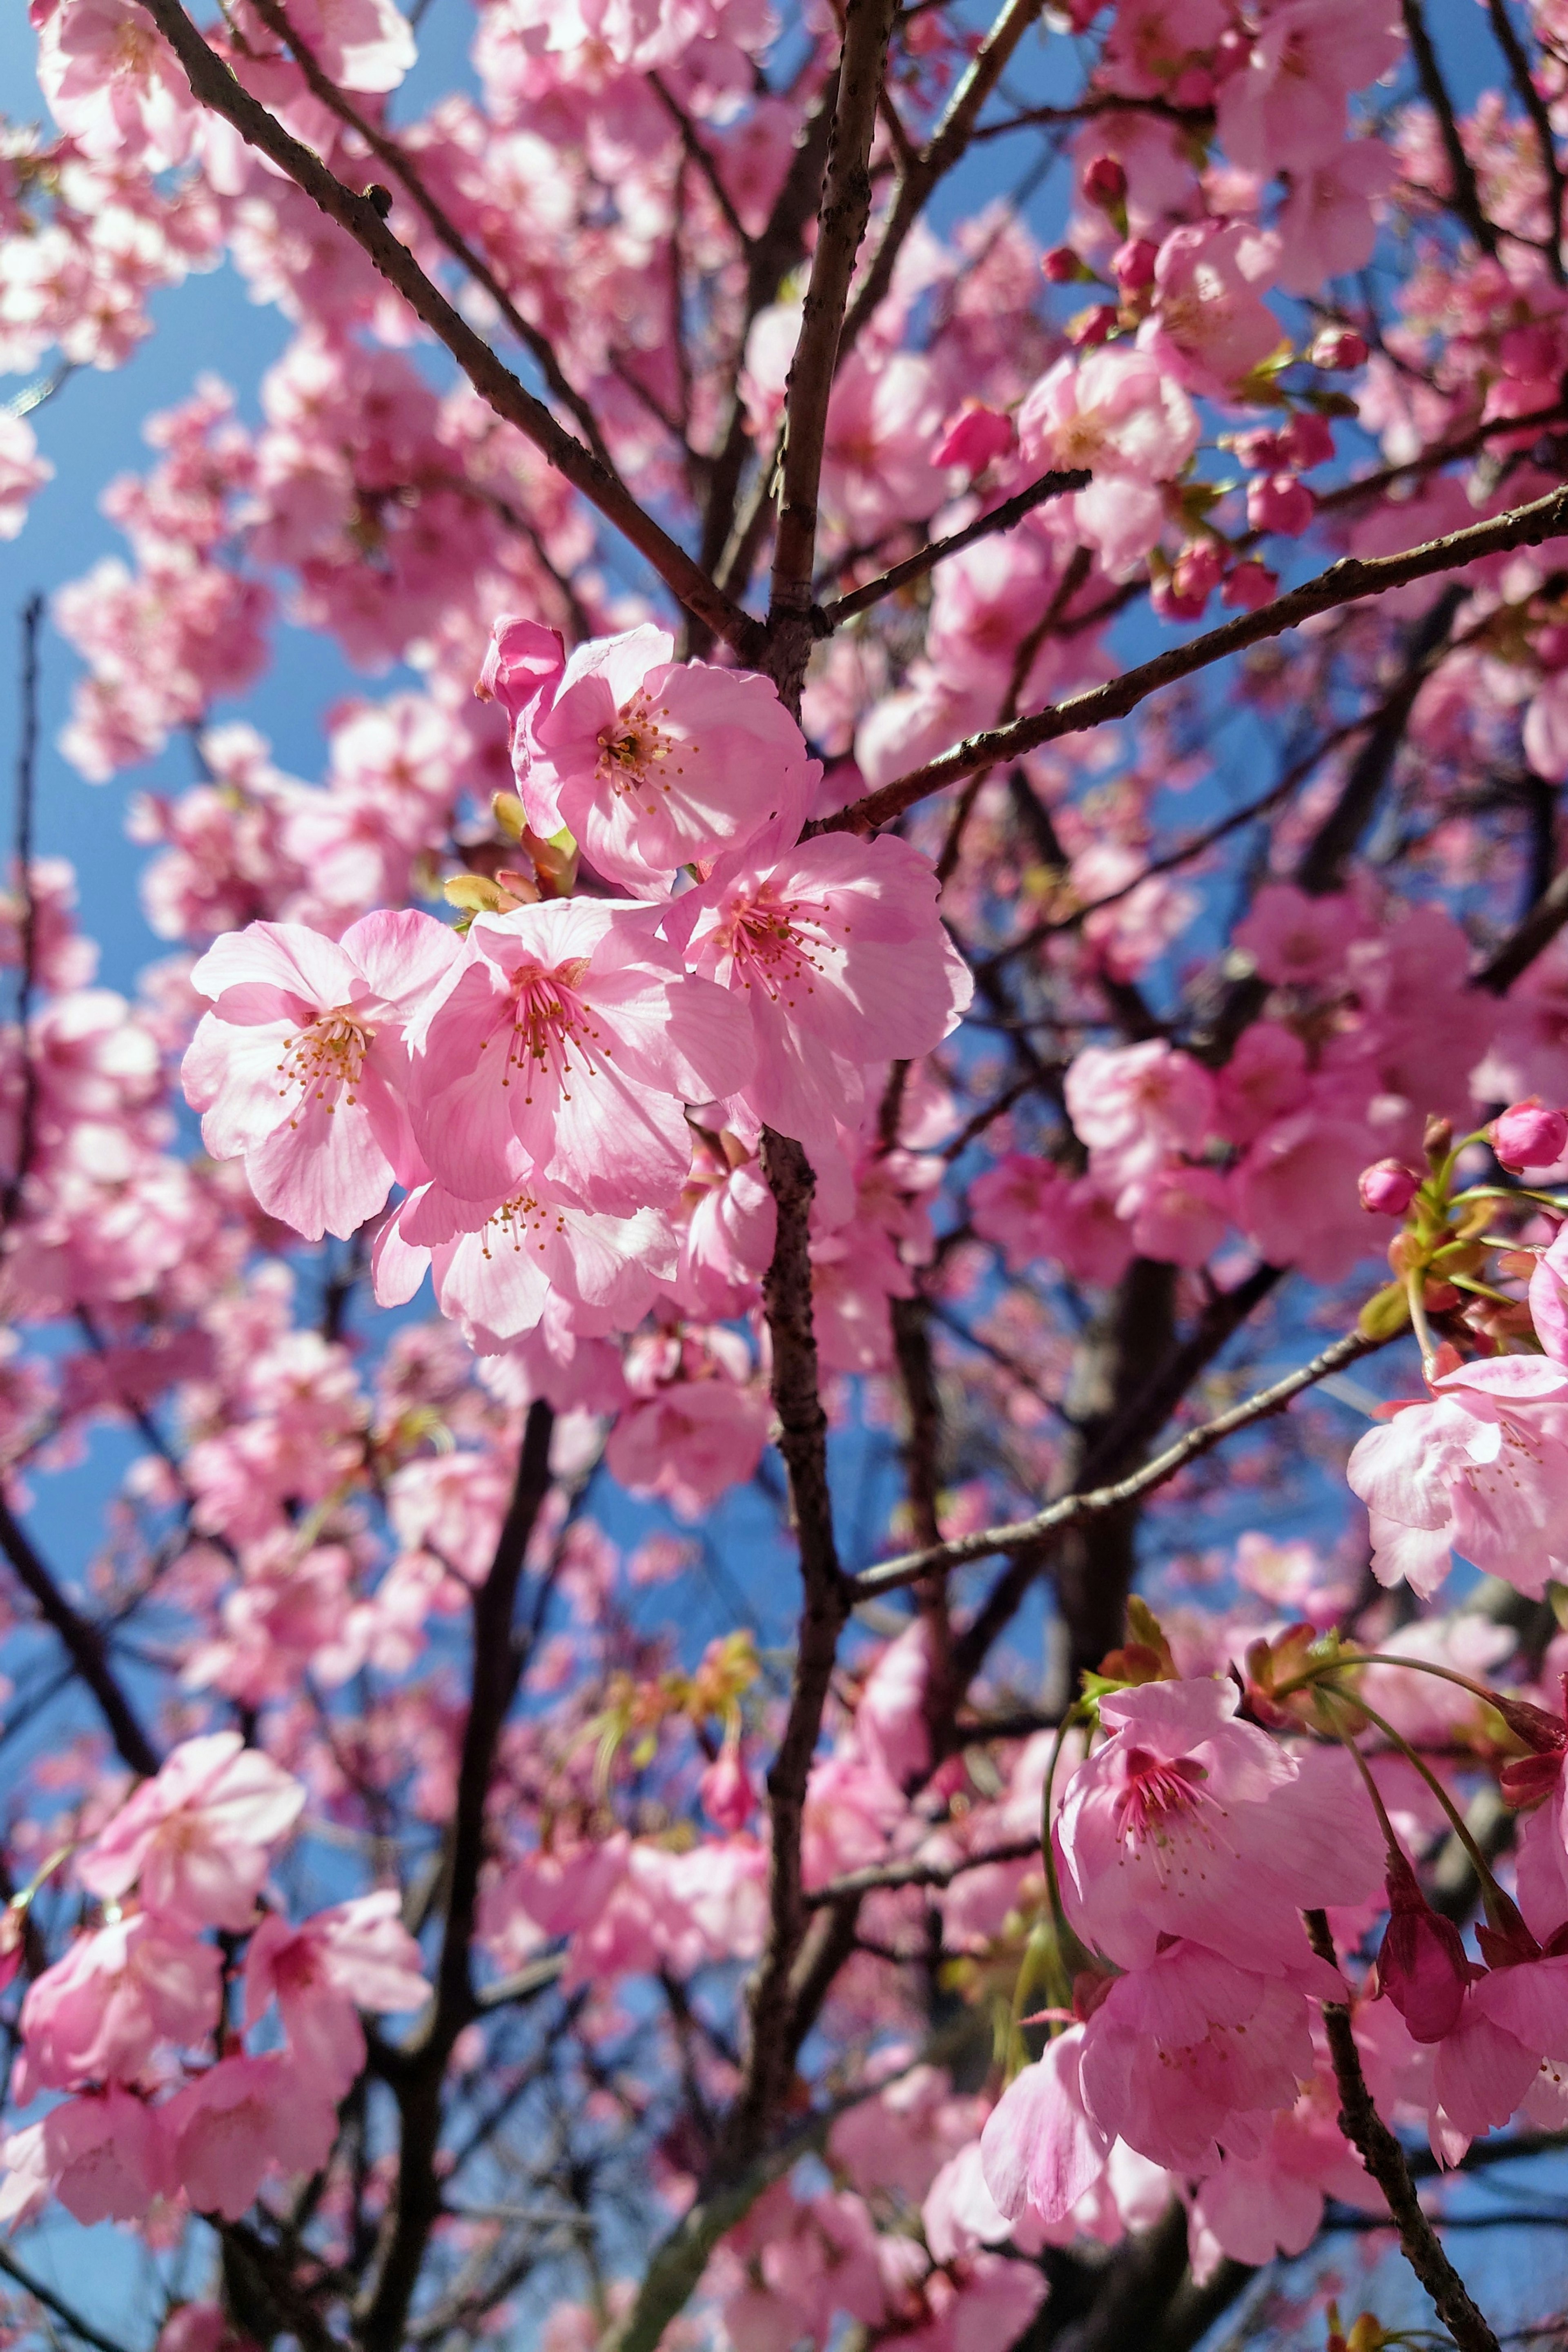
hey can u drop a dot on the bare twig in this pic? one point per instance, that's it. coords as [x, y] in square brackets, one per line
[1464, 195]
[939, 1558]
[82, 1641]
[28, 922]
[1384, 2160]
[215, 86]
[841, 224]
[887, 1874]
[1347, 581]
[499, 1658]
[828, 618]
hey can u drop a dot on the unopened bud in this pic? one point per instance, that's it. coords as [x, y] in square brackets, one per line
[1527, 1135]
[1338, 348]
[1437, 1139]
[1062, 265]
[1105, 182]
[1388, 1187]
[728, 1798]
[1132, 264]
[1421, 1966]
[1093, 327]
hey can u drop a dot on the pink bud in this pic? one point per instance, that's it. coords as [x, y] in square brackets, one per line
[1249, 586]
[1198, 571]
[726, 1792]
[972, 436]
[1421, 1968]
[1388, 1187]
[1132, 264]
[1527, 1135]
[1092, 326]
[1062, 265]
[1308, 441]
[523, 661]
[1280, 502]
[1263, 451]
[1105, 182]
[1338, 347]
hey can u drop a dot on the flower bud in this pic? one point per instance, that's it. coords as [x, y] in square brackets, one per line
[1527, 1135]
[1338, 348]
[1062, 265]
[1280, 502]
[725, 1788]
[1105, 182]
[1388, 1187]
[1308, 441]
[1132, 265]
[973, 437]
[1250, 587]
[1199, 570]
[1421, 1966]
[1091, 327]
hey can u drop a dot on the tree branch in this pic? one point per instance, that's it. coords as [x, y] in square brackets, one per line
[1465, 195]
[27, 924]
[275, 18]
[1384, 2160]
[828, 618]
[880, 1876]
[1539, 928]
[841, 224]
[1344, 583]
[215, 86]
[891, 1575]
[82, 1641]
[63, 2311]
[499, 1659]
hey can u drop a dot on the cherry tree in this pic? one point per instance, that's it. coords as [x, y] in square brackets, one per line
[838, 1280]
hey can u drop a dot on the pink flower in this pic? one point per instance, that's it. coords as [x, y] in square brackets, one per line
[1328, 225]
[556, 1055]
[1134, 1105]
[361, 43]
[1042, 2149]
[1295, 941]
[1421, 1963]
[1281, 502]
[1286, 110]
[1512, 2019]
[98, 2014]
[1296, 1194]
[243, 2118]
[690, 1442]
[114, 85]
[1388, 1187]
[104, 2157]
[840, 958]
[496, 1269]
[651, 762]
[23, 472]
[1117, 412]
[300, 1065]
[1186, 1822]
[1529, 1134]
[1209, 326]
[199, 1836]
[1181, 1214]
[973, 436]
[1482, 1469]
[356, 1955]
[1192, 2053]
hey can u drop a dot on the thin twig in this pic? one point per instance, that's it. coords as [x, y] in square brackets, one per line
[27, 920]
[1347, 581]
[1465, 197]
[883, 1875]
[940, 1558]
[214, 85]
[828, 618]
[51, 2301]
[1384, 2160]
